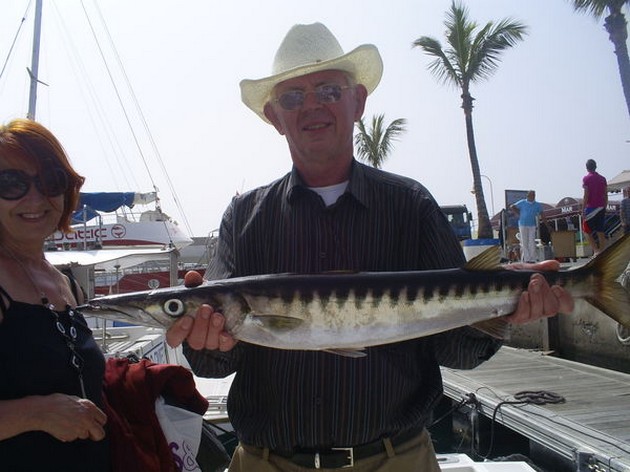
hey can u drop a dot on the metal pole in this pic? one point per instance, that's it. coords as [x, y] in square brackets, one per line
[34, 71]
[491, 193]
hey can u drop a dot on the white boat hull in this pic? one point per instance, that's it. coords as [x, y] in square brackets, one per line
[126, 234]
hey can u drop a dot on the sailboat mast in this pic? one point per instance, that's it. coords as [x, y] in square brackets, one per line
[34, 71]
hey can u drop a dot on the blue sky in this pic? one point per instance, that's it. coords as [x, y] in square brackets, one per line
[554, 102]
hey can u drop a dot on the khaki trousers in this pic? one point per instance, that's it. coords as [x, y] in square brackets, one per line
[415, 455]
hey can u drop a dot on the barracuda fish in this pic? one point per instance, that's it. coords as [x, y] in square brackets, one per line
[346, 312]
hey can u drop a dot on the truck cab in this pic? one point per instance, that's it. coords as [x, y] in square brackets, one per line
[460, 220]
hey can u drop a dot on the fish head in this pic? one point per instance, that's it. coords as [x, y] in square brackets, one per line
[158, 308]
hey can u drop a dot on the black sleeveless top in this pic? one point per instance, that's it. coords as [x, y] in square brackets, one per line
[35, 360]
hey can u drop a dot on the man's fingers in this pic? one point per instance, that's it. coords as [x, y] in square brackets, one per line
[534, 289]
[199, 332]
[522, 310]
[206, 330]
[541, 300]
[226, 342]
[179, 331]
[566, 303]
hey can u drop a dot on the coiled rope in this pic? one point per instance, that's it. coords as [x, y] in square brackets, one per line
[525, 397]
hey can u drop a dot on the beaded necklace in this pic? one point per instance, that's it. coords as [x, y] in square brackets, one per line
[69, 336]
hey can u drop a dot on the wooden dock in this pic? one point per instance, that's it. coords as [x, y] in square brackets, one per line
[591, 429]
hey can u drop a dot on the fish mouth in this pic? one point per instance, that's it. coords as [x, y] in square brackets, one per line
[94, 309]
[130, 314]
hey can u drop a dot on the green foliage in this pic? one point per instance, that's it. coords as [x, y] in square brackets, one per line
[598, 8]
[374, 145]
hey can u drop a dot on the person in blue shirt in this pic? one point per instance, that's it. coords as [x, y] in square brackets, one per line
[528, 210]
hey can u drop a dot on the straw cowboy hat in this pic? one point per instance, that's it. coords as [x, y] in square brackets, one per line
[307, 49]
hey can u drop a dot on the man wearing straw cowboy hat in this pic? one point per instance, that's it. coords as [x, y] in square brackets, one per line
[296, 410]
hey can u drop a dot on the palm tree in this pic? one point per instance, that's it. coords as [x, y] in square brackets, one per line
[472, 54]
[374, 145]
[616, 25]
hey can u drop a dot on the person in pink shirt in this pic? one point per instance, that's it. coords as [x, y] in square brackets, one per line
[594, 206]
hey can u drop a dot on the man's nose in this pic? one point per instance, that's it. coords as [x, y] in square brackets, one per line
[311, 100]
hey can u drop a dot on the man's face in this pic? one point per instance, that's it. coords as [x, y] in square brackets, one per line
[321, 129]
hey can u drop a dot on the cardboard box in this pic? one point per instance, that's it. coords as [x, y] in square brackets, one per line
[563, 243]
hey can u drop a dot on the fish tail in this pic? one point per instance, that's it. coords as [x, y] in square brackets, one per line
[612, 294]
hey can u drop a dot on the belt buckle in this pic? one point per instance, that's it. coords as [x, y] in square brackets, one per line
[350, 457]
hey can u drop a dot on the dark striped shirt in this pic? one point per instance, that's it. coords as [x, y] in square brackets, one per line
[286, 399]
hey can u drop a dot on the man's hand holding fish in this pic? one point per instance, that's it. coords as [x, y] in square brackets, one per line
[541, 299]
[205, 329]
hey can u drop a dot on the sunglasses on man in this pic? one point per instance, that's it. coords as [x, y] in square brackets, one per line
[294, 99]
[14, 184]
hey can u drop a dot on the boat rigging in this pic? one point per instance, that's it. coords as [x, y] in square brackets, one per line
[119, 91]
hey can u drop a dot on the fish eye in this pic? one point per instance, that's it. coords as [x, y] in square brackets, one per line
[173, 307]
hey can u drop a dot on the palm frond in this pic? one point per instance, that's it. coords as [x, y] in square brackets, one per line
[459, 30]
[392, 133]
[598, 8]
[374, 145]
[442, 67]
[490, 42]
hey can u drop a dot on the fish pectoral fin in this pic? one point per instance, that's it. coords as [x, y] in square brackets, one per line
[496, 327]
[277, 322]
[356, 353]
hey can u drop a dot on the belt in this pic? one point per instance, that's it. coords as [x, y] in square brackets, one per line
[344, 457]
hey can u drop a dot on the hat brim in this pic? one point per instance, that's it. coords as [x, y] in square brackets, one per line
[363, 63]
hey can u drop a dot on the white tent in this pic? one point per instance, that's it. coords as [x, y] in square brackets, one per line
[107, 259]
[619, 182]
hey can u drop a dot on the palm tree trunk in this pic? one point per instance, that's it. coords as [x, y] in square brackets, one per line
[484, 230]
[616, 26]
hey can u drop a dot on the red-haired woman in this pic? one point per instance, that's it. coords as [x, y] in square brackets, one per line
[51, 369]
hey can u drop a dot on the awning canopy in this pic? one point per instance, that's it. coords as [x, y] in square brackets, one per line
[619, 182]
[91, 203]
[106, 259]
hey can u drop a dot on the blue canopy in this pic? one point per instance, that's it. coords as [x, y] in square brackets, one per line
[91, 203]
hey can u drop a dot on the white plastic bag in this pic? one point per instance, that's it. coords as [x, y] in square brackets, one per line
[182, 430]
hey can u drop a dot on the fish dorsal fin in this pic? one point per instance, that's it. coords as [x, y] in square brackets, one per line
[488, 260]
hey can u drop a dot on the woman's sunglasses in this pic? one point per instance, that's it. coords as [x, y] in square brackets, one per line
[14, 184]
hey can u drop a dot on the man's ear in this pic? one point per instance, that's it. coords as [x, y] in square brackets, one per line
[360, 93]
[272, 116]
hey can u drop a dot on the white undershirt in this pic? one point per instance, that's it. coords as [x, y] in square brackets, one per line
[331, 193]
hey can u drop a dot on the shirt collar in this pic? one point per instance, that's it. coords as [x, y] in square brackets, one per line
[357, 185]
